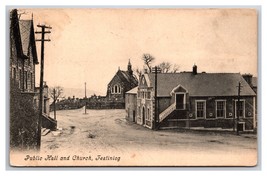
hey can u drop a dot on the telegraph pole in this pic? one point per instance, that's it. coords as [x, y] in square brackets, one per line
[85, 98]
[238, 108]
[156, 101]
[55, 100]
[42, 40]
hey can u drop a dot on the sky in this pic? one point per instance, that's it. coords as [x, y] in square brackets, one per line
[89, 45]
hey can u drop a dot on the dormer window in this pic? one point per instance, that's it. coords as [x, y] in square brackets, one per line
[116, 89]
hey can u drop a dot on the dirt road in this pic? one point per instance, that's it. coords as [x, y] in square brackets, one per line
[108, 134]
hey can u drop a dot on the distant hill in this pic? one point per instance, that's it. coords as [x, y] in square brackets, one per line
[79, 93]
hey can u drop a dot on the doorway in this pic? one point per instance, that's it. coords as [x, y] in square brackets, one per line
[179, 99]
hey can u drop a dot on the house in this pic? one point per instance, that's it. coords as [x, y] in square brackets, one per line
[23, 93]
[23, 55]
[130, 104]
[192, 99]
[23, 58]
[121, 82]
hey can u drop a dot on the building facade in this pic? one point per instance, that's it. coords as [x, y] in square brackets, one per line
[191, 99]
[121, 82]
[24, 96]
[130, 104]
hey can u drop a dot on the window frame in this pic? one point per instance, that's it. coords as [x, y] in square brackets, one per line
[216, 108]
[204, 109]
[244, 108]
[116, 89]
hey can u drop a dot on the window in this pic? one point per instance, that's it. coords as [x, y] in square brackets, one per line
[220, 108]
[148, 114]
[148, 95]
[26, 79]
[116, 89]
[200, 108]
[13, 73]
[31, 81]
[240, 108]
[20, 78]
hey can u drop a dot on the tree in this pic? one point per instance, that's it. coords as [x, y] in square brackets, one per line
[148, 59]
[55, 93]
[175, 68]
[137, 73]
[167, 67]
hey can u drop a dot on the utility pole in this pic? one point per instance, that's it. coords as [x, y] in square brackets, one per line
[156, 100]
[238, 108]
[42, 40]
[85, 98]
[55, 100]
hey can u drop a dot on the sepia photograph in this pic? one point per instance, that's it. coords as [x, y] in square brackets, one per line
[133, 87]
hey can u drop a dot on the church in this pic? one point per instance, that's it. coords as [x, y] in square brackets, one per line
[121, 82]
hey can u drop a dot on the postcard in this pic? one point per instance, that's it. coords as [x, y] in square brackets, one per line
[133, 86]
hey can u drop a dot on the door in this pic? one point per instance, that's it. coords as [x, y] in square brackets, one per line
[133, 115]
[179, 98]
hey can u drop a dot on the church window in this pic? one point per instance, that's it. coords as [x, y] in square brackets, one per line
[116, 89]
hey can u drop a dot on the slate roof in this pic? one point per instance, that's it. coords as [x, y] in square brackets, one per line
[27, 38]
[202, 84]
[25, 29]
[126, 77]
[133, 91]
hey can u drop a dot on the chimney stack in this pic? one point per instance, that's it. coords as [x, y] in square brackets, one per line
[248, 78]
[194, 69]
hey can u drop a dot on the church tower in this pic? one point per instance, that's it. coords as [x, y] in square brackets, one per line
[130, 71]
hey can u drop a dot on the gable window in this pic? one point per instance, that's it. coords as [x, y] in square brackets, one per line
[220, 108]
[116, 89]
[200, 108]
[240, 108]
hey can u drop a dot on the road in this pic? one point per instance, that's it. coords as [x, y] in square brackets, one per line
[107, 133]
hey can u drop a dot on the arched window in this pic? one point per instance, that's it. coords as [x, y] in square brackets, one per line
[116, 89]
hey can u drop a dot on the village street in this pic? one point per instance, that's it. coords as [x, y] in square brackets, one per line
[107, 133]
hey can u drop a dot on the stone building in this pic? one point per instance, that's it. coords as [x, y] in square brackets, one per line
[130, 104]
[121, 82]
[191, 99]
[23, 93]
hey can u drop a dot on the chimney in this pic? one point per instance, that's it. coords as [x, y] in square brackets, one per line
[194, 69]
[248, 78]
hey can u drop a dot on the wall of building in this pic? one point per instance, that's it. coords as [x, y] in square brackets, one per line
[210, 119]
[163, 103]
[145, 107]
[130, 107]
